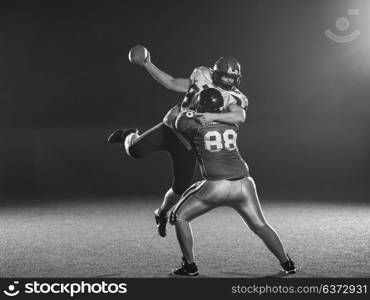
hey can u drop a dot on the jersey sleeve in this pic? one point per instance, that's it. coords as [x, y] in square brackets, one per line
[236, 97]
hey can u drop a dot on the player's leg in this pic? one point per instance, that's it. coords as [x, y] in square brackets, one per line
[169, 200]
[152, 140]
[138, 146]
[160, 214]
[183, 165]
[190, 206]
[158, 138]
[199, 199]
[251, 212]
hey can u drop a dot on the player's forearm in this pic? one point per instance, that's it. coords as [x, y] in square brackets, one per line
[165, 79]
[234, 117]
[160, 76]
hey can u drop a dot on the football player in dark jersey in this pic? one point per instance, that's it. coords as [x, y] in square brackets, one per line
[226, 183]
[225, 76]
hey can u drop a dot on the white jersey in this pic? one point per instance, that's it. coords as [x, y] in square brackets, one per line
[201, 78]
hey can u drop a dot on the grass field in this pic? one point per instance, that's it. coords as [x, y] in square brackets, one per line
[117, 238]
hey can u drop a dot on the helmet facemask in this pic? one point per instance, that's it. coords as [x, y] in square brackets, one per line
[217, 80]
[228, 67]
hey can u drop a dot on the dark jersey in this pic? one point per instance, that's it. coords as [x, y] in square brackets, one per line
[216, 147]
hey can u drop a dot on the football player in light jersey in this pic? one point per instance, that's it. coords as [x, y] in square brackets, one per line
[226, 183]
[225, 76]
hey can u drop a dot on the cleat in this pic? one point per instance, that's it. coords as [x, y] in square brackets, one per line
[288, 266]
[188, 270]
[161, 221]
[120, 135]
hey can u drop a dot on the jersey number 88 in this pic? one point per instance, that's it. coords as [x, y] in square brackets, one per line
[214, 141]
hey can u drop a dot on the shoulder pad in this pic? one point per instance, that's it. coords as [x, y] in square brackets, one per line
[201, 74]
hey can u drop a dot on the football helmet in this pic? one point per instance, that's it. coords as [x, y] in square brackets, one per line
[209, 100]
[229, 67]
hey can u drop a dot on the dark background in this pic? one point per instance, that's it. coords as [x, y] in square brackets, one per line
[66, 83]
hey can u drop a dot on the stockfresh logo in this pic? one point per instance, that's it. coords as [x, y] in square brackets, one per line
[12, 290]
[342, 25]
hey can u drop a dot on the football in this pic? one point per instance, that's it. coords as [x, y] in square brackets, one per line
[138, 54]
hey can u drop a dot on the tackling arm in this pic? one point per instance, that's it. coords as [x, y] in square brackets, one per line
[236, 115]
[175, 84]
